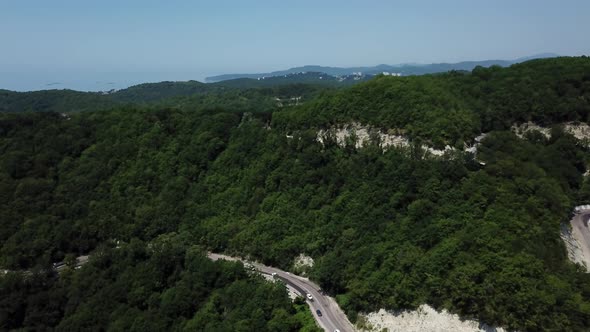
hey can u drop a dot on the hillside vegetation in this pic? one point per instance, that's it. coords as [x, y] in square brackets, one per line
[455, 107]
[241, 94]
[164, 285]
[53, 101]
[387, 229]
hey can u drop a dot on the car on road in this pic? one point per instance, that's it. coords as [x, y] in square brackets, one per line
[319, 313]
[309, 297]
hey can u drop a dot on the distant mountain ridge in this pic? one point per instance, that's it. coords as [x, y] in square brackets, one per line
[403, 69]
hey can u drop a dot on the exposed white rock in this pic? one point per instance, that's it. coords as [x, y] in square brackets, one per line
[303, 261]
[365, 134]
[479, 138]
[473, 148]
[574, 249]
[293, 293]
[579, 130]
[576, 236]
[522, 129]
[438, 152]
[425, 318]
[292, 101]
[395, 137]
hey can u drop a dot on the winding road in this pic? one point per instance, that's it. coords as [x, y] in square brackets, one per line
[80, 260]
[332, 319]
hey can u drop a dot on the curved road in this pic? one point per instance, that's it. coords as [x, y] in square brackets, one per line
[80, 260]
[333, 318]
[57, 267]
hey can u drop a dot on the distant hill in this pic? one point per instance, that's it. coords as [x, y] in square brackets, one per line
[238, 94]
[296, 82]
[53, 101]
[307, 77]
[389, 224]
[179, 93]
[403, 69]
[149, 92]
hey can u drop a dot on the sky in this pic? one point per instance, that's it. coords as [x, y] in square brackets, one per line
[93, 45]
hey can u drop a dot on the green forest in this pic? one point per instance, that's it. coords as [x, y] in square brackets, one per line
[170, 178]
[166, 285]
[239, 95]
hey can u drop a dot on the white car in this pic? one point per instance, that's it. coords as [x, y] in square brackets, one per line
[309, 297]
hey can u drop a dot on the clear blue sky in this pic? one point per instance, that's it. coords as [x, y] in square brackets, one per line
[153, 40]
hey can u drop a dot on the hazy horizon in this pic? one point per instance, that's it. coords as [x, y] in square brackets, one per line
[82, 80]
[98, 46]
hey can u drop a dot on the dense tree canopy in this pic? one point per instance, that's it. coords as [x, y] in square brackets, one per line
[393, 229]
[162, 286]
[235, 95]
[455, 107]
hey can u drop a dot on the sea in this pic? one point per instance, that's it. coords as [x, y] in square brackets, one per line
[84, 80]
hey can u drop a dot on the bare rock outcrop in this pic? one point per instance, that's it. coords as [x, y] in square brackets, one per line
[425, 318]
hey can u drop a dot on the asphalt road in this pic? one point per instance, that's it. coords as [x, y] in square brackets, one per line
[581, 232]
[58, 267]
[333, 318]
[80, 260]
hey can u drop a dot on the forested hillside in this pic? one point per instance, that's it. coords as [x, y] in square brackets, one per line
[242, 95]
[161, 286]
[405, 69]
[388, 228]
[53, 101]
[455, 107]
